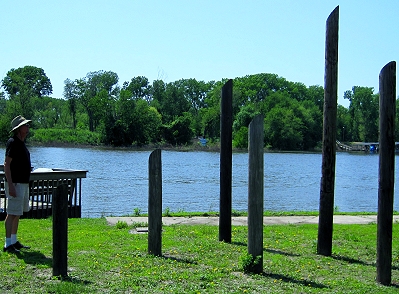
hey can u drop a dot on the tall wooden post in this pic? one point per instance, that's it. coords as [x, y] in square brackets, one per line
[226, 159]
[60, 231]
[155, 203]
[386, 179]
[255, 191]
[326, 208]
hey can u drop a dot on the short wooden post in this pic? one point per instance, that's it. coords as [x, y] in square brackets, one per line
[326, 208]
[386, 180]
[155, 203]
[60, 230]
[255, 192]
[226, 159]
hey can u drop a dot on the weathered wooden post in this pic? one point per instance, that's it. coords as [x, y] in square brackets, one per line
[155, 204]
[326, 208]
[60, 231]
[226, 159]
[386, 179]
[255, 192]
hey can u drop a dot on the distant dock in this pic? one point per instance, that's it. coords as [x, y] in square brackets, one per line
[367, 147]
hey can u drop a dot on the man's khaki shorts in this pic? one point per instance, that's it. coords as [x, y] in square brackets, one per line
[20, 204]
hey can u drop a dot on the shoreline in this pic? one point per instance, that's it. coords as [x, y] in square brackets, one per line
[167, 147]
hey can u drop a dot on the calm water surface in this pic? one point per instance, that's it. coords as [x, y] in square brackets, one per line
[117, 180]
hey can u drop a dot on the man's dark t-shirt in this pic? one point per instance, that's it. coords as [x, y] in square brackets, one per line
[20, 165]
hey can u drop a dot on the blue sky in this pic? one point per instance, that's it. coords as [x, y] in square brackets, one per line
[205, 40]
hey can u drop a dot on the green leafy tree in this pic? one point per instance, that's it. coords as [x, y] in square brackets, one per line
[71, 94]
[101, 105]
[21, 85]
[115, 133]
[241, 123]
[258, 87]
[283, 129]
[297, 91]
[4, 119]
[244, 116]
[240, 138]
[125, 113]
[50, 113]
[174, 103]
[139, 87]
[158, 92]
[316, 95]
[136, 123]
[147, 124]
[344, 132]
[195, 93]
[210, 122]
[3, 102]
[291, 124]
[179, 131]
[210, 113]
[364, 112]
[96, 93]
[312, 124]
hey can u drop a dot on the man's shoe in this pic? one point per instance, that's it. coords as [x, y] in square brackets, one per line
[10, 249]
[19, 246]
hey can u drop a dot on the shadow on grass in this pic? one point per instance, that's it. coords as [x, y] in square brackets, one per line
[373, 264]
[394, 285]
[239, 243]
[269, 250]
[274, 251]
[351, 260]
[35, 257]
[287, 279]
[181, 260]
[74, 280]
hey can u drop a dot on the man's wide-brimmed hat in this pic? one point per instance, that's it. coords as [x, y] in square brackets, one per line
[18, 121]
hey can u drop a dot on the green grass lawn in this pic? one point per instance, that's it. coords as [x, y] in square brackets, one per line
[110, 259]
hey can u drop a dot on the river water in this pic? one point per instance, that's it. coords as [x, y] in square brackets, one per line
[117, 180]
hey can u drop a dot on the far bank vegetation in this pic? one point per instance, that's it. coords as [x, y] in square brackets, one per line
[97, 110]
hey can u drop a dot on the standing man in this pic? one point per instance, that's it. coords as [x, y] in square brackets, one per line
[17, 168]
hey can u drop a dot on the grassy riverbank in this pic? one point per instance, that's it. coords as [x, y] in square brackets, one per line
[109, 259]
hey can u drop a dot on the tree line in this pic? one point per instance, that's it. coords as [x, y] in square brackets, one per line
[95, 109]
